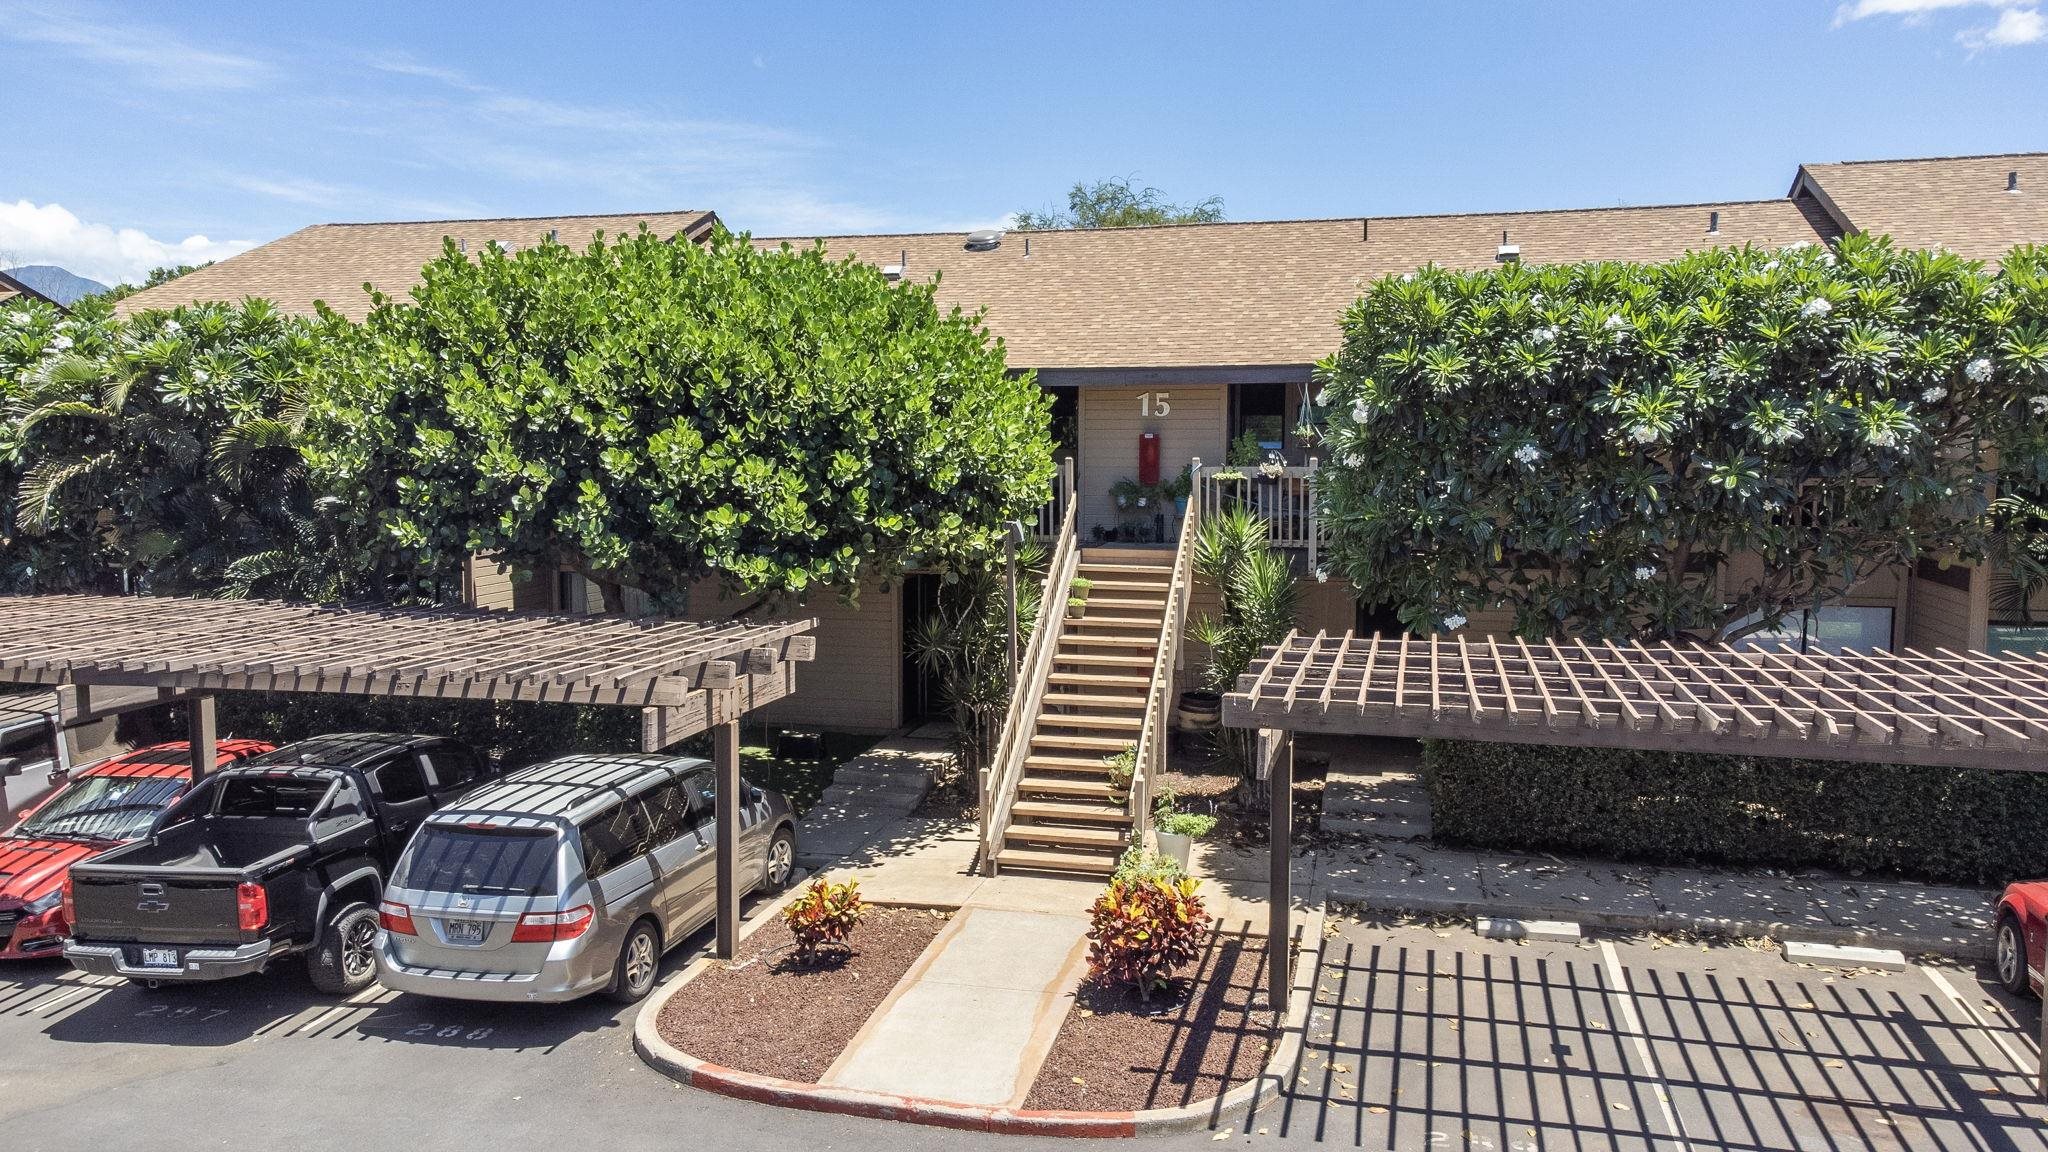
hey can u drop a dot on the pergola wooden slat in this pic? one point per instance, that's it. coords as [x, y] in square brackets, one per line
[687, 677]
[1965, 710]
[1949, 709]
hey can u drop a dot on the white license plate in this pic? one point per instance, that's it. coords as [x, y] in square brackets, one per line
[159, 957]
[465, 931]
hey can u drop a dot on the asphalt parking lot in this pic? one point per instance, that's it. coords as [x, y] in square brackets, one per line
[1432, 1037]
[1421, 1037]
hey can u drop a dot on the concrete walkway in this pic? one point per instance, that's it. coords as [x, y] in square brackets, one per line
[870, 794]
[972, 1021]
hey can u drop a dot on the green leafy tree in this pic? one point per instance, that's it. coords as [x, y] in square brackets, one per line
[1587, 444]
[155, 277]
[651, 412]
[161, 448]
[1117, 204]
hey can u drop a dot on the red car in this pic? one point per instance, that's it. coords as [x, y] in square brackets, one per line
[2022, 937]
[106, 805]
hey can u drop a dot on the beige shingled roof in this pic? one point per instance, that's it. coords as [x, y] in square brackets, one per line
[1211, 295]
[1957, 202]
[331, 262]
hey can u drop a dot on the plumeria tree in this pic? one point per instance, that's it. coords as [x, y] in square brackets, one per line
[650, 412]
[1590, 445]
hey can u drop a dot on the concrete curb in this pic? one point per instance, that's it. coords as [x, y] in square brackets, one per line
[1280, 1062]
[1972, 948]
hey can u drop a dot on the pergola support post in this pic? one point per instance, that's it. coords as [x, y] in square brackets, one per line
[202, 731]
[1276, 764]
[725, 756]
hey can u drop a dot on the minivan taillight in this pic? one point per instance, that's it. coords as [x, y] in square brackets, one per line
[542, 927]
[252, 906]
[395, 917]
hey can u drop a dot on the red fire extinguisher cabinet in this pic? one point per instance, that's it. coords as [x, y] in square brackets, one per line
[1148, 458]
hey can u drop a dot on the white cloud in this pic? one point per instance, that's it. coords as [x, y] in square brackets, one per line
[148, 55]
[51, 234]
[2019, 21]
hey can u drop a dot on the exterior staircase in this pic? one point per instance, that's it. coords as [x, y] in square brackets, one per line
[1066, 816]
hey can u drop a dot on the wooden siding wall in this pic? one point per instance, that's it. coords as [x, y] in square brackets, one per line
[1196, 425]
[856, 682]
[1943, 617]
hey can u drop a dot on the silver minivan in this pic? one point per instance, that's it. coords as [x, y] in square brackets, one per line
[568, 878]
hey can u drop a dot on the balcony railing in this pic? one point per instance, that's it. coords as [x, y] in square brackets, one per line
[1284, 498]
[1050, 515]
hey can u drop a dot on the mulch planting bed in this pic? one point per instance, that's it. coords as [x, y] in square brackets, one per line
[768, 1014]
[1115, 1053]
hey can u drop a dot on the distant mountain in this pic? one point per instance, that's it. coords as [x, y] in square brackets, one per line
[54, 282]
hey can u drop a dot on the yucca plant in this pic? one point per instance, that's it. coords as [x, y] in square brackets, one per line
[1261, 598]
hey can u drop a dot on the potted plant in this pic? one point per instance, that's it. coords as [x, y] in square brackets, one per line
[1177, 831]
[1122, 766]
[1077, 597]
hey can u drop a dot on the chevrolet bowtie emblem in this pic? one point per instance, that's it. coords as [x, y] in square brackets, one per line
[153, 906]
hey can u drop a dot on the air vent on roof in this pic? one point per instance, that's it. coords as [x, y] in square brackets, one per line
[895, 271]
[462, 245]
[2012, 181]
[551, 235]
[984, 240]
[1507, 253]
[1713, 223]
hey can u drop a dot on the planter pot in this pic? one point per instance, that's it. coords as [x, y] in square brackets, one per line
[1198, 711]
[1074, 613]
[1175, 846]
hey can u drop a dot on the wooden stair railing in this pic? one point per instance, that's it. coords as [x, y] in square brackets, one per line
[1151, 757]
[999, 777]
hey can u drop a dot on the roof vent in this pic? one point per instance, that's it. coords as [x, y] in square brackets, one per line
[1713, 223]
[462, 245]
[984, 240]
[2012, 181]
[895, 271]
[551, 235]
[1507, 253]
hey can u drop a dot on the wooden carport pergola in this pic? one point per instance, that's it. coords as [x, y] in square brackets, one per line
[686, 677]
[1955, 709]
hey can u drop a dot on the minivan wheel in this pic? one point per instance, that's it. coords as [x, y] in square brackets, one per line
[639, 963]
[781, 860]
[2011, 955]
[346, 960]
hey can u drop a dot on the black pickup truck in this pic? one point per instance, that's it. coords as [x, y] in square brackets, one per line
[282, 854]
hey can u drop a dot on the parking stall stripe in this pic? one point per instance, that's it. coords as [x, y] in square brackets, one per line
[1625, 1003]
[58, 1001]
[2022, 1065]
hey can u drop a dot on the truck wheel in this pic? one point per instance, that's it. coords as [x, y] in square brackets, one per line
[639, 963]
[2011, 955]
[346, 960]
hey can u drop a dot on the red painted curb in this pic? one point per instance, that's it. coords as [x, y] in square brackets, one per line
[905, 1109]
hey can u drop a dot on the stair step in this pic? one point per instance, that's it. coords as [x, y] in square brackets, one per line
[1105, 839]
[1073, 810]
[1112, 626]
[1065, 657]
[1120, 707]
[1059, 762]
[1140, 557]
[1111, 641]
[1092, 720]
[1159, 586]
[1065, 786]
[1095, 602]
[1089, 568]
[1100, 679]
[1107, 744]
[1055, 861]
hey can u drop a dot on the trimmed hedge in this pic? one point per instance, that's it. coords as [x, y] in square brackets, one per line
[514, 734]
[1968, 826]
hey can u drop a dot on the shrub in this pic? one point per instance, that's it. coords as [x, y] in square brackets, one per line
[1951, 825]
[826, 913]
[1193, 825]
[1122, 766]
[1139, 866]
[1145, 930]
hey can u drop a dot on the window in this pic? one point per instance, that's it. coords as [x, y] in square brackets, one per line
[271, 796]
[108, 807]
[668, 812]
[452, 765]
[342, 809]
[703, 786]
[481, 861]
[1829, 629]
[400, 781]
[612, 837]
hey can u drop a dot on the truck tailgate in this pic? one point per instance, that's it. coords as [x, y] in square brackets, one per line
[155, 905]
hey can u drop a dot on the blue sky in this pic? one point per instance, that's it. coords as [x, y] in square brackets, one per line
[144, 133]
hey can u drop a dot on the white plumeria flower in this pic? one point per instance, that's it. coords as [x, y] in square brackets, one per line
[1615, 321]
[1322, 575]
[1774, 505]
[1353, 460]
[1818, 306]
[1782, 434]
[61, 343]
[1322, 397]
[1770, 265]
[1543, 335]
[2039, 404]
[1529, 454]
[1828, 258]
[1645, 572]
[171, 328]
[1407, 277]
[1979, 370]
[1933, 395]
[1643, 434]
[1454, 621]
[200, 375]
[1360, 411]
[20, 319]
[1882, 437]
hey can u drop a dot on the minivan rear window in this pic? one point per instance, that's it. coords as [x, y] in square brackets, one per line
[482, 861]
